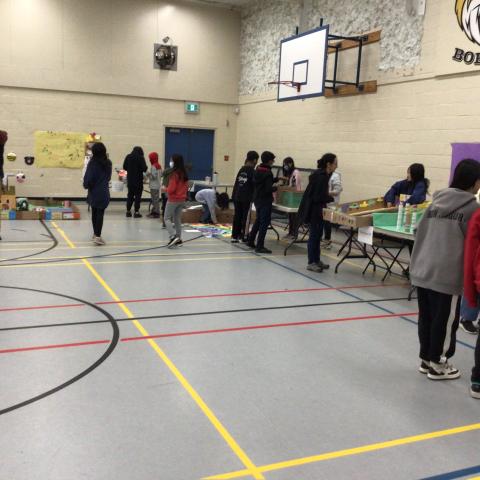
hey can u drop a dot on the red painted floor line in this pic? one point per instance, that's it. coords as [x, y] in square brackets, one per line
[209, 332]
[199, 297]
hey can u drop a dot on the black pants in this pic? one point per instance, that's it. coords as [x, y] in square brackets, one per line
[476, 368]
[134, 196]
[262, 222]
[314, 237]
[438, 320]
[240, 219]
[327, 230]
[97, 221]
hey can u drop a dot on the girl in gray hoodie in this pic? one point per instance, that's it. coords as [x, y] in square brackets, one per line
[437, 269]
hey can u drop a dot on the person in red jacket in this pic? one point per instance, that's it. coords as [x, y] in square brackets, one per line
[472, 287]
[177, 195]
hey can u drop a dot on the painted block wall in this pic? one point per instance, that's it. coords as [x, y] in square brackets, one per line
[88, 66]
[107, 47]
[123, 123]
[414, 117]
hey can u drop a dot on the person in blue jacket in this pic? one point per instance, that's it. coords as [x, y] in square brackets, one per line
[415, 187]
[96, 181]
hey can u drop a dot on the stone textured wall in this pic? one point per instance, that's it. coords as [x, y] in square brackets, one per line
[266, 22]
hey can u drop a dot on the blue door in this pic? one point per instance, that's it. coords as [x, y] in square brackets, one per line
[196, 147]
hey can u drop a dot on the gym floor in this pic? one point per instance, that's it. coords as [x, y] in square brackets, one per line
[209, 361]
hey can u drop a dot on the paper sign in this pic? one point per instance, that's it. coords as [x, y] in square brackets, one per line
[365, 235]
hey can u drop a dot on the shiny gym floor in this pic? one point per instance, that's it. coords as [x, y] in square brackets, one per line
[132, 361]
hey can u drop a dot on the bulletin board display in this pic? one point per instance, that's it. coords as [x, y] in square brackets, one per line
[60, 149]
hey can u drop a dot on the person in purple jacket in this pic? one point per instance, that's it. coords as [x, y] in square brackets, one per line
[96, 181]
[415, 187]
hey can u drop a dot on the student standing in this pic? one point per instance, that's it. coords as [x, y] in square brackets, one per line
[243, 195]
[165, 178]
[472, 289]
[293, 179]
[335, 188]
[310, 212]
[263, 200]
[415, 187]
[154, 177]
[96, 181]
[3, 141]
[135, 166]
[177, 195]
[436, 269]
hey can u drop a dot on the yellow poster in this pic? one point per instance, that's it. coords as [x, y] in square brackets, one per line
[60, 149]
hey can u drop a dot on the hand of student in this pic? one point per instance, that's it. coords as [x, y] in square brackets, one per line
[389, 205]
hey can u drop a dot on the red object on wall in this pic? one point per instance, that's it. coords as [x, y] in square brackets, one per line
[226, 158]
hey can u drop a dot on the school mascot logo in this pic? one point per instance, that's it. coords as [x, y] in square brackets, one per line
[468, 16]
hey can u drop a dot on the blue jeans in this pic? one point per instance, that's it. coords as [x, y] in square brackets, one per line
[313, 246]
[468, 313]
[262, 222]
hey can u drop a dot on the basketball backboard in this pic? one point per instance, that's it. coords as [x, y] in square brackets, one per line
[303, 60]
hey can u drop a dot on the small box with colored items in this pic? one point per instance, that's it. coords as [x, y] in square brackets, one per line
[47, 209]
[8, 200]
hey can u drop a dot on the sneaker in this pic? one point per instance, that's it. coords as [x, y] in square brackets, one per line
[475, 390]
[262, 250]
[469, 327]
[250, 245]
[153, 215]
[325, 266]
[128, 214]
[170, 242]
[442, 371]
[99, 241]
[174, 241]
[234, 240]
[179, 243]
[327, 244]
[424, 367]
[137, 215]
[314, 267]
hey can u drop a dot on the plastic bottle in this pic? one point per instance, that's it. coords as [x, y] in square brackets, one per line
[407, 220]
[215, 178]
[400, 215]
[413, 225]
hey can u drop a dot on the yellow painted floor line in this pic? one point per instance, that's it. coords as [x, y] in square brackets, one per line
[197, 243]
[242, 456]
[351, 451]
[173, 253]
[123, 262]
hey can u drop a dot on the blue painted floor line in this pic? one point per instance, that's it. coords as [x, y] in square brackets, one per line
[456, 474]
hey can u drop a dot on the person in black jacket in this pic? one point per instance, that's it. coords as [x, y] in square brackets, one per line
[3, 141]
[315, 199]
[242, 196]
[135, 167]
[96, 180]
[263, 199]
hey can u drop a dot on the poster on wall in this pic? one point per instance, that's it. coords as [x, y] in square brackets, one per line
[458, 37]
[60, 149]
[461, 151]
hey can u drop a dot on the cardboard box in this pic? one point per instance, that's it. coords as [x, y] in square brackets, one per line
[192, 215]
[28, 215]
[8, 201]
[353, 221]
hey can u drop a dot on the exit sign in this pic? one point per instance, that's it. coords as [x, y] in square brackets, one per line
[192, 107]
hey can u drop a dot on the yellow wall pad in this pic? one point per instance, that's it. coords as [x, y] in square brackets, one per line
[122, 262]
[351, 451]
[243, 457]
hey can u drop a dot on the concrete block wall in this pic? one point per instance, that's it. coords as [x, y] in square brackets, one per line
[414, 117]
[123, 123]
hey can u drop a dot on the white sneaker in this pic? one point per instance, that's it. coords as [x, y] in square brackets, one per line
[442, 371]
[99, 241]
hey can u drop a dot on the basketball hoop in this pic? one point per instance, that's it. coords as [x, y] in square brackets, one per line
[288, 83]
